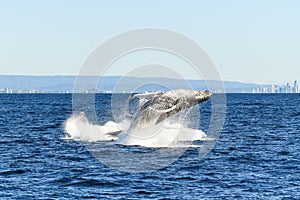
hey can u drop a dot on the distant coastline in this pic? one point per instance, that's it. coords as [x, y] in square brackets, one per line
[64, 84]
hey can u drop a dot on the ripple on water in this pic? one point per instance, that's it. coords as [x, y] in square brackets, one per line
[256, 157]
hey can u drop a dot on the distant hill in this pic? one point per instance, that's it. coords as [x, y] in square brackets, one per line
[55, 84]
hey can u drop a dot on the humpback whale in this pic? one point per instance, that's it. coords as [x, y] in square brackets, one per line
[156, 107]
[144, 128]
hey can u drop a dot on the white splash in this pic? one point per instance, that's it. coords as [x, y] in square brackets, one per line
[77, 127]
[167, 134]
[162, 135]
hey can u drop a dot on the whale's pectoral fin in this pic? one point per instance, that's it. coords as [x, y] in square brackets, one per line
[143, 98]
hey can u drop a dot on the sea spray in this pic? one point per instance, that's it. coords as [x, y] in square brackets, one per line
[77, 127]
[170, 133]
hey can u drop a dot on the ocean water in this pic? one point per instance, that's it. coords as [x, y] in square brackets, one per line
[257, 155]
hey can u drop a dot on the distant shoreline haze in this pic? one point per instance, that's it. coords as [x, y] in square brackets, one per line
[65, 84]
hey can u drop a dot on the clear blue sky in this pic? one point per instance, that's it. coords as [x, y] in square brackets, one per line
[250, 41]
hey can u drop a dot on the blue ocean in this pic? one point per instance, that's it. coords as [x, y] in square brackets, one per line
[257, 155]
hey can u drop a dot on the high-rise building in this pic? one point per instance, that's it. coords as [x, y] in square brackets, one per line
[295, 89]
[274, 89]
[281, 90]
[287, 88]
[8, 91]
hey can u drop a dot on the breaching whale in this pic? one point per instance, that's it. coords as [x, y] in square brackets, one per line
[158, 106]
[144, 127]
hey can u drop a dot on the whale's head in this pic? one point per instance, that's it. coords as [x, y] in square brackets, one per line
[201, 96]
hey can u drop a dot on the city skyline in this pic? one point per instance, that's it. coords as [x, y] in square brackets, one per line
[287, 88]
[65, 84]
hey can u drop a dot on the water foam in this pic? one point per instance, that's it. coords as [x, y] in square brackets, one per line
[77, 127]
[166, 134]
[161, 135]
